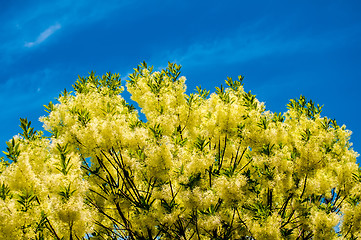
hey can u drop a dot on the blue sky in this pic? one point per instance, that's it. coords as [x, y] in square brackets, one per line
[283, 48]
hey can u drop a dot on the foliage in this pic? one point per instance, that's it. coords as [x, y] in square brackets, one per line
[201, 166]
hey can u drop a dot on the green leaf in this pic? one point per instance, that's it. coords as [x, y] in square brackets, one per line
[202, 92]
[66, 193]
[109, 81]
[267, 149]
[83, 117]
[173, 71]
[4, 191]
[249, 101]
[190, 100]
[64, 166]
[192, 181]
[28, 132]
[304, 107]
[258, 210]
[263, 123]
[26, 199]
[13, 151]
[201, 143]
[234, 85]
[136, 123]
[212, 209]
[168, 206]
[223, 94]
[306, 135]
[49, 108]
[277, 117]
[156, 83]
[157, 131]
[128, 106]
[65, 94]
[41, 225]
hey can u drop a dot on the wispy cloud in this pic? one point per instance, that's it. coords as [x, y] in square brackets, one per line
[20, 27]
[44, 35]
[237, 49]
[255, 41]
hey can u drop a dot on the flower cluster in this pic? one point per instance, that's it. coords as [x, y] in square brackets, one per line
[199, 166]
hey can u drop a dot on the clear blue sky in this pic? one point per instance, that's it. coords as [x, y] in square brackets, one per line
[283, 48]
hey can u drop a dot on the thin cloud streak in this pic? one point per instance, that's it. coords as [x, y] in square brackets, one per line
[21, 23]
[230, 50]
[44, 35]
[246, 44]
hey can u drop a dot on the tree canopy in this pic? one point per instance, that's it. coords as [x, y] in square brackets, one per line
[198, 166]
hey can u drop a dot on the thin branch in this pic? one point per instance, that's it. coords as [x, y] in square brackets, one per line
[244, 150]
[304, 186]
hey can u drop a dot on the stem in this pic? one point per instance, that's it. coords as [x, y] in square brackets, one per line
[288, 220]
[52, 229]
[245, 149]
[269, 199]
[304, 186]
[239, 217]
[224, 151]
[210, 175]
[283, 208]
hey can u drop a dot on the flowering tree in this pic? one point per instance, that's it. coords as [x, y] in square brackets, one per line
[200, 166]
